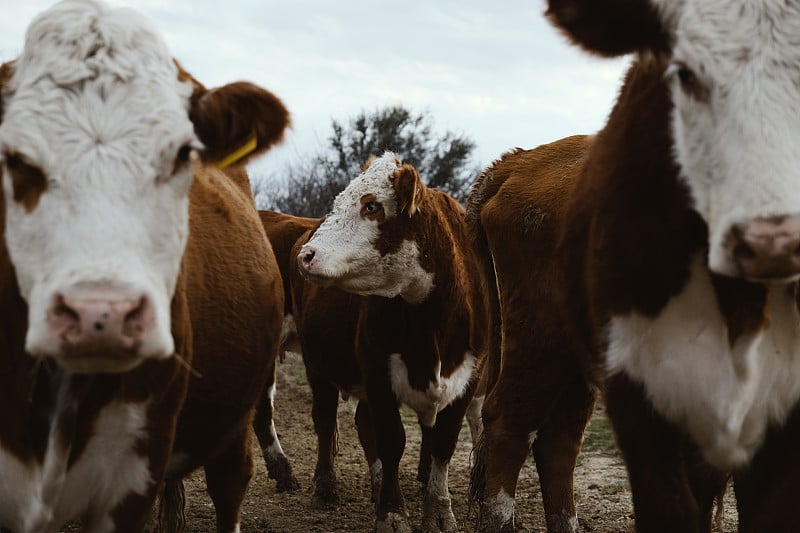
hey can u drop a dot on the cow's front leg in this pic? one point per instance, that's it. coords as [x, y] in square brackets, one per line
[437, 510]
[366, 435]
[390, 440]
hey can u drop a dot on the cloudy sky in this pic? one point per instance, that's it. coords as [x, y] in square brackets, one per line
[496, 72]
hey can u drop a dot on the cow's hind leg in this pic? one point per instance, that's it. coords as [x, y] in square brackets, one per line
[278, 466]
[555, 450]
[324, 403]
[227, 478]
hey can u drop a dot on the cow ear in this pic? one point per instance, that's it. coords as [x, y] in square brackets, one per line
[409, 189]
[236, 121]
[614, 27]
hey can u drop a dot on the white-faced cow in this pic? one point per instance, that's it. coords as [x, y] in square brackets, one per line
[127, 257]
[414, 335]
[678, 253]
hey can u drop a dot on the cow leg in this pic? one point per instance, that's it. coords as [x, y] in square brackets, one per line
[767, 490]
[227, 478]
[499, 456]
[172, 507]
[555, 450]
[366, 435]
[278, 466]
[424, 466]
[324, 404]
[390, 439]
[437, 510]
[474, 418]
[655, 455]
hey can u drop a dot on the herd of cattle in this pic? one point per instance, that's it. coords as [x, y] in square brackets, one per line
[145, 300]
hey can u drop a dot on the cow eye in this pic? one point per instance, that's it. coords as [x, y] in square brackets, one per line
[370, 207]
[690, 84]
[28, 182]
[182, 158]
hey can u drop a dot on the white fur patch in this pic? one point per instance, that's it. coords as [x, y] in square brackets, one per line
[344, 244]
[737, 149]
[43, 497]
[96, 104]
[725, 397]
[440, 392]
[501, 508]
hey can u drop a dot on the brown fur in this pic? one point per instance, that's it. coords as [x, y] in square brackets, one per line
[607, 229]
[534, 380]
[347, 339]
[226, 317]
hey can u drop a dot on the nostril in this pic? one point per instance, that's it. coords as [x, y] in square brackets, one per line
[308, 256]
[743, 251]
[64, 312]
[135, 318]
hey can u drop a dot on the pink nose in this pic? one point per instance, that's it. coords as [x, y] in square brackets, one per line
[100, 319]
[305, 259]
[766, 248]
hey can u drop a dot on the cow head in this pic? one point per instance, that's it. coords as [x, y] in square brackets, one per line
[366, 244]
[733, 69]
[101, 133]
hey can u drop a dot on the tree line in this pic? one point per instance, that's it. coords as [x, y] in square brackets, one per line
[308, 186]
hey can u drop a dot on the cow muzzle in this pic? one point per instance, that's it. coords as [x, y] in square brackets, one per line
[765, 249]
[99, 328]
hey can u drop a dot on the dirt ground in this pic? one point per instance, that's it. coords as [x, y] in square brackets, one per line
[603, 495]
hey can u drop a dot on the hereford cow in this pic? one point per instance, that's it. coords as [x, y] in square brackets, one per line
[127, 262]
[396, 255]
[677, 252]
[538, 397]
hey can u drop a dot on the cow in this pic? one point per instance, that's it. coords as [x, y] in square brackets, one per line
[677, 256]
[141, 302]
[335, 307]
[389, 310]
[538, 396]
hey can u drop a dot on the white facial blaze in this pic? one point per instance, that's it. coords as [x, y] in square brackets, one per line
[739, 150]
[96, 105]
[345, 243]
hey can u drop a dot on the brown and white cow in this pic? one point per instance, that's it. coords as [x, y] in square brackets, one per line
[395, 314]
[126, 259]
[538, 397]
[678, 253]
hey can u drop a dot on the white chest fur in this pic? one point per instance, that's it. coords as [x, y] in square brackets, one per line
[42, 497]
[440, 392]
[724, 396]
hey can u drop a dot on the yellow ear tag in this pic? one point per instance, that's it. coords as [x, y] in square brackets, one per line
[239, 153]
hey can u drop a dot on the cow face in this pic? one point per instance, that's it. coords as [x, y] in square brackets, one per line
[734, 73]
[366, 244]
[98, 148]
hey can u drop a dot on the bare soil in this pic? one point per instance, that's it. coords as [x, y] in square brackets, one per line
[601, 487]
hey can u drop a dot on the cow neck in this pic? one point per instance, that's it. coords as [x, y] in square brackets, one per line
[631, 213]
[640, 231]
[443, 317]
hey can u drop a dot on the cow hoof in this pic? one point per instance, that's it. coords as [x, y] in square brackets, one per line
[280, 470]
[393, 523]
[563, 523]
[492, 521]
[437, 515]
[326, 493]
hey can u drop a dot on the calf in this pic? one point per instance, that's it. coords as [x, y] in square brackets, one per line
[395, 314]
[677, 253]
[127, 260]
[538, 397]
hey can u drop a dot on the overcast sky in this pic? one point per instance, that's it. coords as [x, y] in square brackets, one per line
[494, 71]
